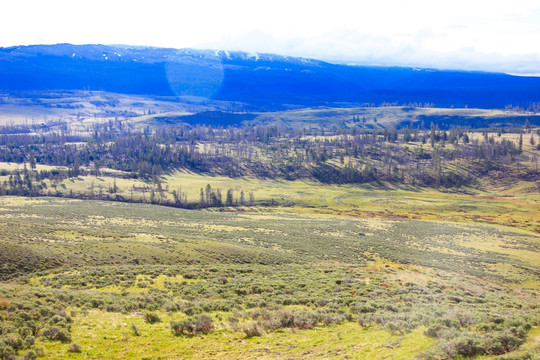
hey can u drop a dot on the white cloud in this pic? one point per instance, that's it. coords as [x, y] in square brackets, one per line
[462, 34]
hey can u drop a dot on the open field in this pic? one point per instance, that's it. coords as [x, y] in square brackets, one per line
[515, 205]
[83, 108]
[304, 234]
[122, 277]
[368, 117]
[110, 233]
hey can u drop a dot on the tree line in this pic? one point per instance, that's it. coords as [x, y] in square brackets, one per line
[29, 182]
[409, 155]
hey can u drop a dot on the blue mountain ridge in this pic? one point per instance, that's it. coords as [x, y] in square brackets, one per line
[259, 79]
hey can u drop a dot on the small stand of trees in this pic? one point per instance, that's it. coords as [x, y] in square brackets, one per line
[210, 197]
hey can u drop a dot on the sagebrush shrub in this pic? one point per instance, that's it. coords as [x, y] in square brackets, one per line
[56, 333]
[135, 329]
[30, 355]
[252, 329]
[193, 325]
[74, 348]
[152, 318]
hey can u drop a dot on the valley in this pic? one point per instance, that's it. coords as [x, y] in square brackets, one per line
[185, 204]
[274, 284]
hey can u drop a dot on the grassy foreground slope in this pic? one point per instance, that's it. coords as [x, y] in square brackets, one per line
[75, 233]
[114, 280]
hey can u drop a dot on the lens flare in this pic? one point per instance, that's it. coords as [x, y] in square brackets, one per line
[195, 77]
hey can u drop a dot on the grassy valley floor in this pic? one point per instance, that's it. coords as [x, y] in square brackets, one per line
[95, 280]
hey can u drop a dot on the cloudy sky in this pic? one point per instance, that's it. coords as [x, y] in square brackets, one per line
[460, 34]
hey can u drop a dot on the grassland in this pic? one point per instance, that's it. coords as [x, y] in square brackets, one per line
[279, 284]
[81, 109]
[514, 205]
[113, 234]
[381, 270]
[370, 117]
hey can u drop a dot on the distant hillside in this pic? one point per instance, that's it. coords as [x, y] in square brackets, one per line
[261, 79]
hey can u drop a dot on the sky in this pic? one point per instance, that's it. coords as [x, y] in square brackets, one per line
[501, 36]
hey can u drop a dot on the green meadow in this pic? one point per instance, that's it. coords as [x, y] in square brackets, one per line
[516, 205]
[318, 233]
[95, 280]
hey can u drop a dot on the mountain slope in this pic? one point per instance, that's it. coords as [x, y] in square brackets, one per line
[262, 79]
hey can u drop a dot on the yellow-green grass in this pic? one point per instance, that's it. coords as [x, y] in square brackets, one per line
[386, 116]
[143, 283]
[105, 335]
[533, 341]
[11, 166]
[400, 256]
[77, 232]
[518, 206]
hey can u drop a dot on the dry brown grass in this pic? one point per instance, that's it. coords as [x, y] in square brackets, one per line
[4, 302]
